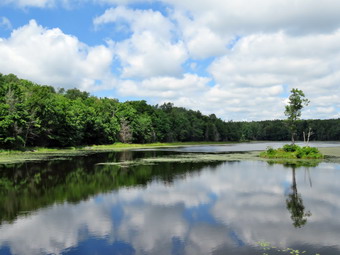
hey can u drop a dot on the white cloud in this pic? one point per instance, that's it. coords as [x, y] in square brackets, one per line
[251, 78]
[48, 56]
[258, 68]
[30, 3]
[201, 41]
[164, 88]
[146, 55]
[243, 17]
[258, 51]
[5, 23]
[150, 51]
[139, 20]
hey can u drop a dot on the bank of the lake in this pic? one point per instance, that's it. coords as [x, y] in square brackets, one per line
[38, 154]
[331, 153]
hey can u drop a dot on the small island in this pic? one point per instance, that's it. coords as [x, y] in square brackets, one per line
[296, 102]
[293, 151]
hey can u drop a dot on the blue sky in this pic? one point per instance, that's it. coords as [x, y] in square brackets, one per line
[236, 59]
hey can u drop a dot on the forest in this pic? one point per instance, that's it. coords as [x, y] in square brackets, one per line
[34, 115]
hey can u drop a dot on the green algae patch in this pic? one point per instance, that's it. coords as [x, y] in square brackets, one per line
[269, 249]
[124, 146]
[41, 154]
[187, 158]
[331, 151]
[29, 156]
[204, 157]
[332, 154]
[124, 163]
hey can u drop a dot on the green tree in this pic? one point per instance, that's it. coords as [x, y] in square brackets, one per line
[12, 112]
[296, 102]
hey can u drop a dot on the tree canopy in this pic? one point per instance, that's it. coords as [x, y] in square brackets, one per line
[296, 103]
[35, 115]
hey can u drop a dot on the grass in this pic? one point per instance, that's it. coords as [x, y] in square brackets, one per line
[131, 146]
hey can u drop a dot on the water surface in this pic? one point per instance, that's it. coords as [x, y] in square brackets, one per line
[75, 206]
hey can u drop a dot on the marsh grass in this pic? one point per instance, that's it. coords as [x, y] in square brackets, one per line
[152, 145]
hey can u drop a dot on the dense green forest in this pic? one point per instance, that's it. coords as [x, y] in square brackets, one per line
[36, 115]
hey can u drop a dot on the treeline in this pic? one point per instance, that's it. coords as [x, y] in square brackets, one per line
[277, 130]
[35, 115]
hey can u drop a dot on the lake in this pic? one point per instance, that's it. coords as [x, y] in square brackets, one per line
[95, 205]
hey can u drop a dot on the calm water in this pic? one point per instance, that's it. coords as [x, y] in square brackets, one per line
[74, 206]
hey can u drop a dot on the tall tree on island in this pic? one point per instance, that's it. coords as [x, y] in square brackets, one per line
[297, 101]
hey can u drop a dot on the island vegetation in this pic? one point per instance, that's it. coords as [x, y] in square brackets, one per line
[33, 115]
[293, 151]
[297, 101]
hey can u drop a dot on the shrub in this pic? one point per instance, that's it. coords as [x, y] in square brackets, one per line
[293, 152]
[290, 147]
[270, 150]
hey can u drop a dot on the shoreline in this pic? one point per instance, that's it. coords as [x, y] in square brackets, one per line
[332, 154]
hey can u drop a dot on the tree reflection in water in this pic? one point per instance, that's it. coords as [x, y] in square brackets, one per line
[294, 201]
[295, 205]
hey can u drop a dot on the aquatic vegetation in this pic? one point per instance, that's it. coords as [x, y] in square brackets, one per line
[204, 157]
[124, 163]
[269, 249]
[40, 154]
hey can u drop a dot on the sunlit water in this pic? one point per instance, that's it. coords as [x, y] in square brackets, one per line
[75, 206]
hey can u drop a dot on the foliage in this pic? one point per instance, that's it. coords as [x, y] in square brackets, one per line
[32, 115]
[290, 147]
[293, 151]
[296, 102]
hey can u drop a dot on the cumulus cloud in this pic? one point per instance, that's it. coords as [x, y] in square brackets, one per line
[164, 88]
[261, 66]
[251, 74]
[146, 55]
[235, 59]
[48, 56]
[150, 51]
[30, 3]
[201, 41]
[5, 23]
[242, 17]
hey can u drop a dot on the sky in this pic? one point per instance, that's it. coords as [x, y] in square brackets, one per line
[237, 59]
